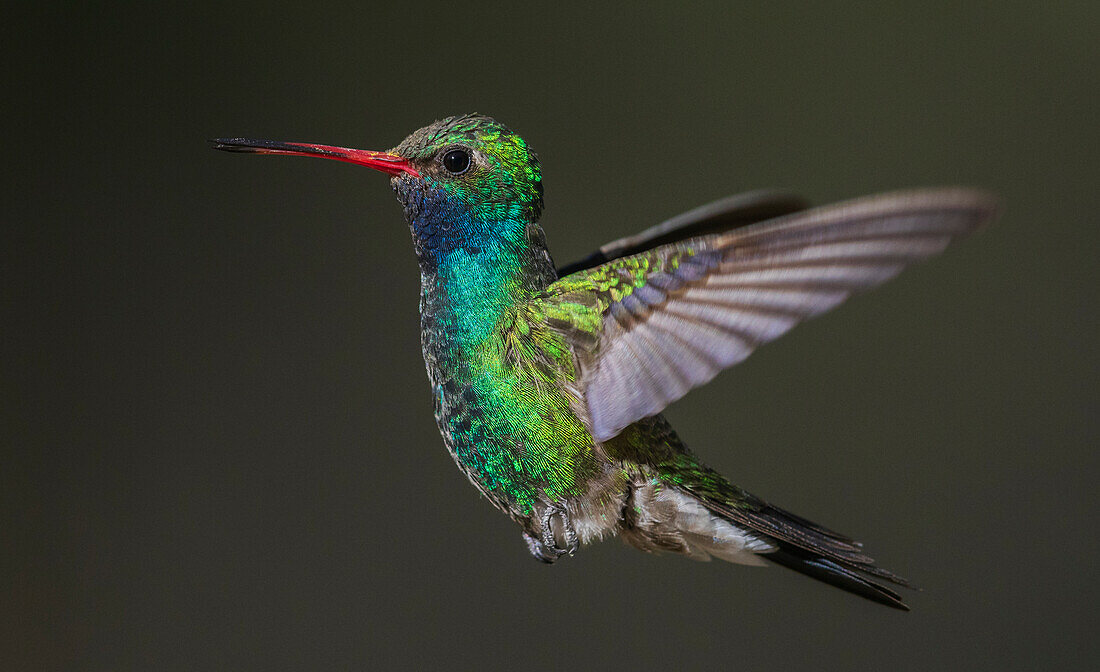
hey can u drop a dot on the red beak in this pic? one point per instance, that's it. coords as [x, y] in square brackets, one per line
[390, 164]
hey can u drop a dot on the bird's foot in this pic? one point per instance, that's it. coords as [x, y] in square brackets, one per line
[545, 548]
[549, 539]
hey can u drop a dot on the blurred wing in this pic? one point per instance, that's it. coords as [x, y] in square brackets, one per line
[721, 215]
[645, 329]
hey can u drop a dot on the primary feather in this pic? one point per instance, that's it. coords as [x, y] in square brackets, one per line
[670, 318]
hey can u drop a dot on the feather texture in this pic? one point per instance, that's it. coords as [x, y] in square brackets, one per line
[721, 215]
[669, 319]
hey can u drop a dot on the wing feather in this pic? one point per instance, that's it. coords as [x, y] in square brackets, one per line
[658, 323]
[721, 215]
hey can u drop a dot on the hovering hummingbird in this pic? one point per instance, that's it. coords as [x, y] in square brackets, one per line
[549, 383]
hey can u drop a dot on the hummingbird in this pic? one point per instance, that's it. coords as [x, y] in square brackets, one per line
[548, 383]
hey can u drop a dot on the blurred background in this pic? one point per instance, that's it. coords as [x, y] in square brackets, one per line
[218, 448]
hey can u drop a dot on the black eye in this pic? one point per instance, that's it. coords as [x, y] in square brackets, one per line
[456, 161]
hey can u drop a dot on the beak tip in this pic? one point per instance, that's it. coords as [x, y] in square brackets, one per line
[224, 144]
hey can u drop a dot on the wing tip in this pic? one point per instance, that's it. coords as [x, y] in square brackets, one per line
[983, 203]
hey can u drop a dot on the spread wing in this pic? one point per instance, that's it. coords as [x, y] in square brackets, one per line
[721, 215]
[646, 328]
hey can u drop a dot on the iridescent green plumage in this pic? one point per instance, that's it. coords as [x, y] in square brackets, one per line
[481, 257]
[548, 391]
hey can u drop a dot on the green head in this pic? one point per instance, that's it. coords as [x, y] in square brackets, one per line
[466, 183]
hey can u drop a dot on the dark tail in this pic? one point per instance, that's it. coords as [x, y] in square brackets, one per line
[811, 549]
[823, 569]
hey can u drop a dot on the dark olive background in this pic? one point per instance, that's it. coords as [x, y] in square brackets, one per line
[218, 445]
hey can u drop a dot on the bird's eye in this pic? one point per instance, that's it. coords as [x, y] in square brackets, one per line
[456, 161]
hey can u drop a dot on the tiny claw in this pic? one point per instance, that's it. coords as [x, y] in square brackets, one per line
[538, 550]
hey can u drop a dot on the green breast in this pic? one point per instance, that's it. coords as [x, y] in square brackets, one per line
[501, 410]
[510, 430]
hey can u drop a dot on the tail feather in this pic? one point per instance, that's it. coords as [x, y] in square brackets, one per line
[837, 548]
[833, 574]
[680, 505]
[809, 548]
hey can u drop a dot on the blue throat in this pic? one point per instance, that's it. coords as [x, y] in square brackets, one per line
[472, 270]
